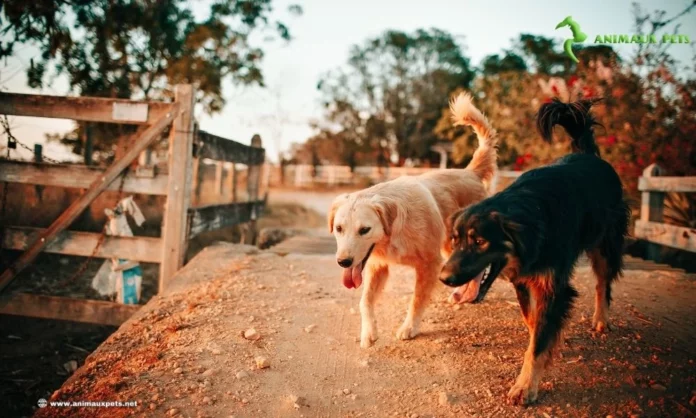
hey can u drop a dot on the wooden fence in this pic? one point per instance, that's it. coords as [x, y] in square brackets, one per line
[650, 226]
[303, 175]
[181, 220]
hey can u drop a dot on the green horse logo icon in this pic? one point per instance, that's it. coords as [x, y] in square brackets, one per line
[578, 36]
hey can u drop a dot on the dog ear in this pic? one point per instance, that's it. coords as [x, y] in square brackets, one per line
[453, 220]
[510, 229]
[387, 210]
[337, 202]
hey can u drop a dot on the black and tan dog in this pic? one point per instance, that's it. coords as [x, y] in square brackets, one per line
[533, 233]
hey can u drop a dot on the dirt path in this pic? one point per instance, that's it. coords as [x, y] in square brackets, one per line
[183, 354]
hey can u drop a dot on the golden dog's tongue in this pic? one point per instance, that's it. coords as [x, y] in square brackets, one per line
[352, 276]
[468, 292]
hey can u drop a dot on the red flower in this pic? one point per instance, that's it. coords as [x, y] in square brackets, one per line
[572, 80]
[588, 92]
[527, 156]
[611, 140]
[554, 89]
[519, 161]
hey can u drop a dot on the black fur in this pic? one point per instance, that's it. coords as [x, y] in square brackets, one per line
[544, 221]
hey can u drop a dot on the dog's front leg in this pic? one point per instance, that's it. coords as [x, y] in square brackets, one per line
[426, 277]
[376, 279]
[550, 308]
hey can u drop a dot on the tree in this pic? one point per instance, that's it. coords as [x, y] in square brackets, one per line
[140, 48]
[390, 94]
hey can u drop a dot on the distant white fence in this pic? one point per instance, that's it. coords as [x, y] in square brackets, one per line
[304, 175]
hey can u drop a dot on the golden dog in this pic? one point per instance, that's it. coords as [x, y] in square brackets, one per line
[405, 221]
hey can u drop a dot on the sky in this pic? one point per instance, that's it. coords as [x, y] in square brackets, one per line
[322, 37]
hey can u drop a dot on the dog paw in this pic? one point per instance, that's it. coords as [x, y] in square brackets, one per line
[407, 331]
[522, 394]
[600, 324]
[368, 337]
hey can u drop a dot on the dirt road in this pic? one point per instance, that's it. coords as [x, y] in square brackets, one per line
[183, 354]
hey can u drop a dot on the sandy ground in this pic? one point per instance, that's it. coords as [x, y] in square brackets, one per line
[184, 353]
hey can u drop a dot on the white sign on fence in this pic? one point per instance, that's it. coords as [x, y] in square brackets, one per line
[133, 112]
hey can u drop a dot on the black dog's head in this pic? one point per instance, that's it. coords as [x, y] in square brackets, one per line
[484, 243]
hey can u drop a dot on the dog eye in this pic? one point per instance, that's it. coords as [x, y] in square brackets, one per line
[339, 229]
[364, 230]
[480, 241]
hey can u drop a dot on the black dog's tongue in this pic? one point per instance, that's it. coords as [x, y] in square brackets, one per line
[352, 276]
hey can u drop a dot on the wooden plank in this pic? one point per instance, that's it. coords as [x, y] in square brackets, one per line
[79, 205]
[218, 179]
[664, 234]
[90, 109]
[253, 184]
[651, 208]
[146, 249]
[222, 149]
[667, 184]
[67, 309]
[174, 225]
[77, 177]
[210, 218]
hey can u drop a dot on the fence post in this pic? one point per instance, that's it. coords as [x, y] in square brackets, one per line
[234, 182]
[218, 180]
[89, 144]
[38, 158]
[253, 180]
[651, 209]
[175, 227]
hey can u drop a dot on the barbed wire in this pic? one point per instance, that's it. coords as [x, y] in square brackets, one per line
[5, 123]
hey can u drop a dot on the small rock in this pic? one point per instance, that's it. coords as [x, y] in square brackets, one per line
[245, 401]
[298, 401]
[445, 399]
[207, 400]
[70, 366]
[346, 391]
[178, 370]
[242, 375]
[153, 406]
[251, 334]
[659, 387]
[262, 362]
[364, 363]
[208, 372]
[310, 328]
[155, 397]
[354, 396]
[172, 412]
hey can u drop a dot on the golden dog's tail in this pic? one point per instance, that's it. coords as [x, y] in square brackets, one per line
[465, 113]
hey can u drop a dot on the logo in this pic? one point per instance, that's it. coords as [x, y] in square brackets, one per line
[578, 36]
[42, 403]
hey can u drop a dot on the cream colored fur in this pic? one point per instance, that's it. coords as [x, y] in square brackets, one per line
[408, 220]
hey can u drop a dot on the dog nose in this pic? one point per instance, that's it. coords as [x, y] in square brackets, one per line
[345, 263]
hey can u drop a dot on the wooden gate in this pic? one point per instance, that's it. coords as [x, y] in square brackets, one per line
[179, 221]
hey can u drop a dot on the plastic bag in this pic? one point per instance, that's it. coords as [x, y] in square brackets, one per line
[117, 276]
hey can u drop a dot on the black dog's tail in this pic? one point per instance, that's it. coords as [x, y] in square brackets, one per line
[575, 118]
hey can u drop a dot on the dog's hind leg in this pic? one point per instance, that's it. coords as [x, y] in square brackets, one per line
[426, 277]
[552, 300]
[376, 279]
[524, 299]
[606, 264]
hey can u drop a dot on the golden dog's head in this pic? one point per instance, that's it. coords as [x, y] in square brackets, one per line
[359, 223]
